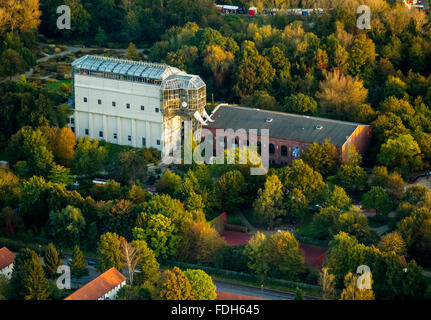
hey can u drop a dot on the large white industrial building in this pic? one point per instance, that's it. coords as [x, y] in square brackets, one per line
[133, 103]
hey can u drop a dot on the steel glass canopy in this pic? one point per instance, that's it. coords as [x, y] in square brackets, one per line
[168, 77]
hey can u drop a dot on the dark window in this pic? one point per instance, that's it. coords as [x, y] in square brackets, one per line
[73, 129]
[72, 120]
[271, 149]
[284, 151]
[101, 134]
[85, 99]
[114, 104]
[130, 138]
[158, 142]
[144, 142]
[99, 101]
[128, 106]
[142, 108]
[115, 136]
[86, 132]
[157, 110]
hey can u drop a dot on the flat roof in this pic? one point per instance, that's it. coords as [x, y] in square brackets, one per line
[284, 125]
[100, 286]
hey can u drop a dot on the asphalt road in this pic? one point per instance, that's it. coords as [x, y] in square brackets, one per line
[256, 292]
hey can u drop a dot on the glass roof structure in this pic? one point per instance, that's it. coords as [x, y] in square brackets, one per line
[169, 77]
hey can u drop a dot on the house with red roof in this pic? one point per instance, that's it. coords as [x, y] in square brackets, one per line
[104, 287]
[7, 260]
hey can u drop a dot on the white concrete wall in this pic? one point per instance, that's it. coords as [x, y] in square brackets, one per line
[118, 120]
[112, 295]
[7, 272]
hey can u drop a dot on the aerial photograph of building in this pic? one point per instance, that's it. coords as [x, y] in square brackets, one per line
[225, 153]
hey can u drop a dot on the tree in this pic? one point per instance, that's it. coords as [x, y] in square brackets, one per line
[78, 267]
[300, 103]
[229, 190]
[9, 188]
[393, 242]
[31, 145]
[60, 175]
[23, 16]
[326, 222]
[52, 261]
[109, 252]
[132, 53]
[67, 226]
[298, 294]
[101, 36]
[338, 198]
[323, 158]
[128, 167]
[341, 95]
[297, 206]
[137, 195]
[173, 285]
[351, 178]
[148, 265]
[327, 282]
[131, 257]
[119, 218]
[352, 292]
[169, 183]
[256, 253]
[81, 20]
[160, 234]
[402, 152]
[377, 199]
[89, 156]
[269, 203]
[64, 146]
[28, 280]
[202, 285]
[11, 63]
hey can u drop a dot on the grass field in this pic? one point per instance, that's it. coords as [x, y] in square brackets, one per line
[54, 86]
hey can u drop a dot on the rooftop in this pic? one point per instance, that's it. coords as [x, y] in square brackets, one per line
[160, 74]
[98, 287]
[284, 125]
[6, 258]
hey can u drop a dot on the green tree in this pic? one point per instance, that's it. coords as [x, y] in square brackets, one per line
[323, 158]
[173, 285]
[256, 254]
[52, 261]
[159, 233]
[202, 285]
[229, 190]
[148, 265]
[169, 183]
[339, 199]
[300, 103]
[351, 178]
[269, 203]
[28, 280]
[393, 242]
[377, 199]
[109, 252]
[128, 167]
[67, 226]
[11, 63]
[89, 156]
[298, 294]
[402, 152]
[78, 267]
[60, 175]
[101, 36]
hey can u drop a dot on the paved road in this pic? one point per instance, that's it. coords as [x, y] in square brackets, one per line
[256, 292]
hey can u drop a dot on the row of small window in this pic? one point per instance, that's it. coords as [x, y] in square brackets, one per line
[129, 138]
[114, 104]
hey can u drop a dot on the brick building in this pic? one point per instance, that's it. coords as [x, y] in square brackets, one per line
[291, 134]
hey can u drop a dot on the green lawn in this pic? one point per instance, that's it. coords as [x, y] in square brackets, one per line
[54, 86]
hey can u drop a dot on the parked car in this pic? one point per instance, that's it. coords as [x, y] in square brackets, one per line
[91, 263]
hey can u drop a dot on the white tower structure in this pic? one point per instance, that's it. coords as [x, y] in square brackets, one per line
[139, 104]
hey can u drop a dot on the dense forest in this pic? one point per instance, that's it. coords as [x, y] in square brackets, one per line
[319, 65]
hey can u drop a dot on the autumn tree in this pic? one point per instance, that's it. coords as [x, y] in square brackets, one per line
[132, 53]
[131, 257]
[173, 285]
[393, 242]
[326, 281]
[52, 261]
[11, 63]
[202, 285]
[352, 292]
[341, 95]
[323, 158]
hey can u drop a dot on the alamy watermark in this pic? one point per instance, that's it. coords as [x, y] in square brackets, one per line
[241, 147]
[64, 281]
[64, 20]
[364, 20]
